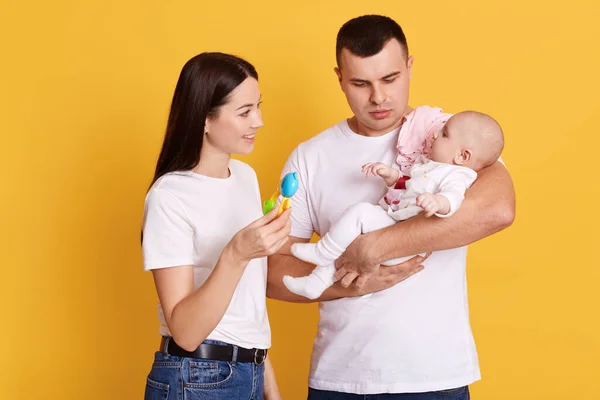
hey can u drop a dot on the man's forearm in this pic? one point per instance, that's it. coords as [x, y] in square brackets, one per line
[280, 265]
[488, 207]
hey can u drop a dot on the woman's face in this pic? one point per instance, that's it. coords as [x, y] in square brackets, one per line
[233, 130]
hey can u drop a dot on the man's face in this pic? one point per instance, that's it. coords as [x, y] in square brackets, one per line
[376, 87]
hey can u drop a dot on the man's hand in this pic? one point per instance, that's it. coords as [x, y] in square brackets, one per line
[387, 173]
[355, 263]
[386, 276]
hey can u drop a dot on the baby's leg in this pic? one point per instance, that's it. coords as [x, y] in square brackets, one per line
[361, 218]
[357, 219]
[313, 285]
[408, 208]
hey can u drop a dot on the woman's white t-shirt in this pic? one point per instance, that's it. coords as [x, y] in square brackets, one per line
[188, 219]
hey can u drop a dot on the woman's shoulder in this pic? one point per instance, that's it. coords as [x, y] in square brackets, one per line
[173, 187]
[170, 182]
[159, 198]
[241, 167]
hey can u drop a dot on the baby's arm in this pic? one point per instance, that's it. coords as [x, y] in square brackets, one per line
[434, 203]
[387, 173]
[451, 193]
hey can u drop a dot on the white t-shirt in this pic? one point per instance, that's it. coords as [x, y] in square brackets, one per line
[188, 220]
[413, 337]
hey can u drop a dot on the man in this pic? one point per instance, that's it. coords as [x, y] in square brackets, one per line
[413, 339]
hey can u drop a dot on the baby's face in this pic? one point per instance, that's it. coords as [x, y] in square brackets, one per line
[447, 144]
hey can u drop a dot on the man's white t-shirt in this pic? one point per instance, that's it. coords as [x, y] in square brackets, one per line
[413, 337]
[188, 219]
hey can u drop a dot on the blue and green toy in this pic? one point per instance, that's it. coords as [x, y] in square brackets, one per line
[287, 188]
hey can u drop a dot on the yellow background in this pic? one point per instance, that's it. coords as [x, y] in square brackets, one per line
[85, 89]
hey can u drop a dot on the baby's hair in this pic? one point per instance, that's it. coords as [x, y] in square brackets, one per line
[489, 136]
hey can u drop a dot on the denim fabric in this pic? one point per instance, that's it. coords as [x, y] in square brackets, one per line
[182, 378]
[461, 393]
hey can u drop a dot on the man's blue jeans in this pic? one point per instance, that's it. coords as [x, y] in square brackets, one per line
[461, 393]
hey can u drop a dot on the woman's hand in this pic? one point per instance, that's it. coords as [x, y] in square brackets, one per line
[261, 238]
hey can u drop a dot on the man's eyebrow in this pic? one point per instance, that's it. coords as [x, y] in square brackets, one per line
[391, 75]
[388, 76]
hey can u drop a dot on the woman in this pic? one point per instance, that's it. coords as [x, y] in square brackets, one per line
[205, 240]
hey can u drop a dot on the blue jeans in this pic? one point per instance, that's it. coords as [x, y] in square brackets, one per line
[182, 378]
[461, 393]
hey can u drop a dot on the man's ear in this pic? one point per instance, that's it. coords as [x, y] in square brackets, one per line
[338, 72]
[409, 65]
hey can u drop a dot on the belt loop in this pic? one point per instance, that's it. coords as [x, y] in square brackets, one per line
[235, 354]
[166, 347]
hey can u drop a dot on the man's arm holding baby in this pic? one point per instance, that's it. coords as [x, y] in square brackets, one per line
[284, 263]
[488, 207]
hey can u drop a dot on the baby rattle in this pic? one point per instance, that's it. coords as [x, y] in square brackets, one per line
[287, 188]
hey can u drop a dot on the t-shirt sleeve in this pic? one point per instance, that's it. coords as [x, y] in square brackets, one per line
[302, 226]
[168, 237]
[454, 186]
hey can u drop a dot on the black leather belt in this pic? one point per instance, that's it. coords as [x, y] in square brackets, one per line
[215, 352]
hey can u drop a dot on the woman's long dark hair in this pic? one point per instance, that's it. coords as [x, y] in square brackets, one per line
[204, 85]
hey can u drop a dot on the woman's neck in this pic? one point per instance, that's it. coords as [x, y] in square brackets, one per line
[213, 164]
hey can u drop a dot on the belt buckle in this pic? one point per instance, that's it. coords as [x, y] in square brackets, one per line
[260, 353]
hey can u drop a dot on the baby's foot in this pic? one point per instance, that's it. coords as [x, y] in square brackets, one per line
[313, 285]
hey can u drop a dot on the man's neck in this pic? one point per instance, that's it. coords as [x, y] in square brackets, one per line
[361, 129]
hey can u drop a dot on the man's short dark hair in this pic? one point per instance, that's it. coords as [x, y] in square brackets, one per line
[366, 35]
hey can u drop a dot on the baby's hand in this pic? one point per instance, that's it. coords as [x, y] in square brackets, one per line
[378, 169]
[429, 203]
[388, 174]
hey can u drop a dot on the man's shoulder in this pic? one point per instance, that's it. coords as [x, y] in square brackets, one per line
[324, 139]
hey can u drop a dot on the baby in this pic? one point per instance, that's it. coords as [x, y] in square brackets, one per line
[436, 183]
